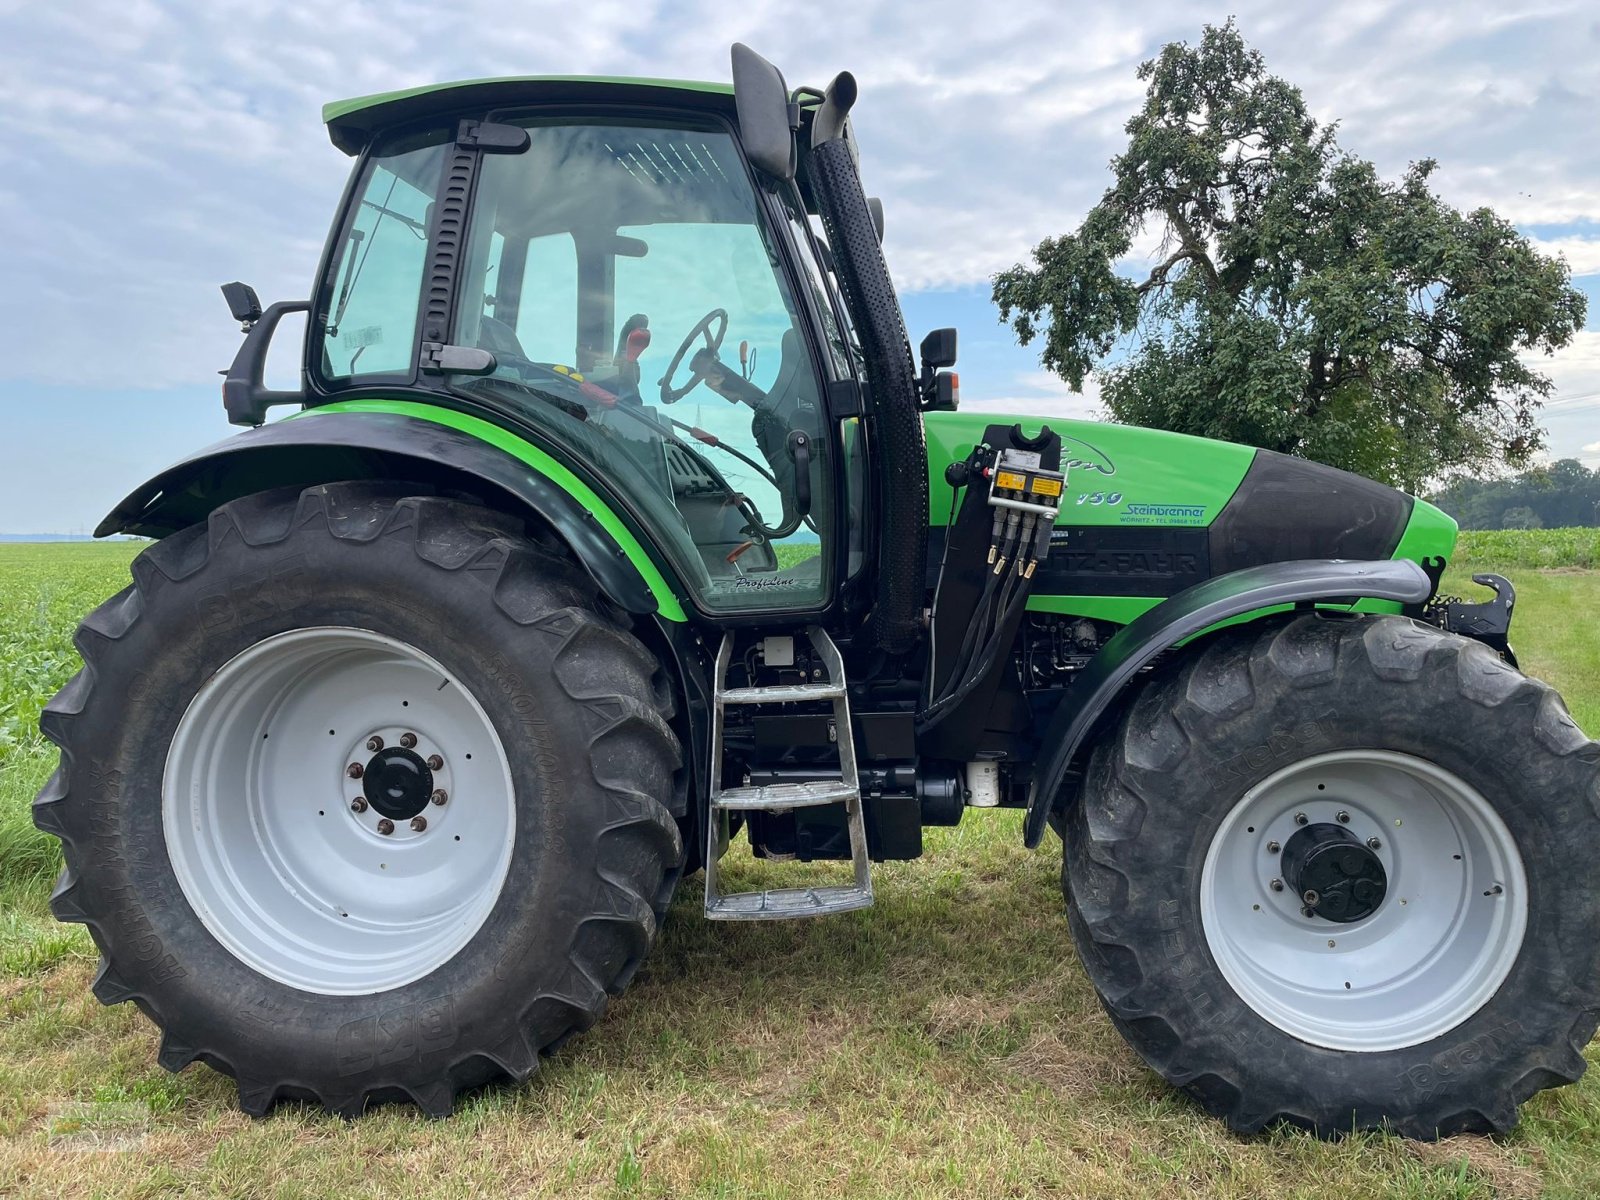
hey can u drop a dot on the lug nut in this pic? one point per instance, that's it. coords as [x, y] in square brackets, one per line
[1273, 847]
[1276, 885]
[358, 805]
[440, 796]
[1373, 843]
[374, 743]
[408, 740]
[1301, 819]
[1344, 817]
[418, 824]
[435, 763]
[355, 770]
[385, 826]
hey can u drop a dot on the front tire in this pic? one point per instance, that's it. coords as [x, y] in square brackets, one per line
[1452, 973]
[364, 796]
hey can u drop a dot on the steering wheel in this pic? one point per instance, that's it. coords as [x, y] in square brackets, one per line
[702, 328]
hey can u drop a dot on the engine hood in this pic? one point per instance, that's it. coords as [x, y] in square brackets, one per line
[1146, 513]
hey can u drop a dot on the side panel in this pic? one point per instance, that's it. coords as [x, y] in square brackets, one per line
[1148, 514]
[1118, 476]
[375, 439]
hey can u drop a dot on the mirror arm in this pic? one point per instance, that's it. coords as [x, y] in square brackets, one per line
[245, 395]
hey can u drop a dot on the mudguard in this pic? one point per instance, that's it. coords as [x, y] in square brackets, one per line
[322, 447]
[1234, 594]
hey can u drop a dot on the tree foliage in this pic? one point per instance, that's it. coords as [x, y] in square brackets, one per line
[1299, 302]
[1563, 494]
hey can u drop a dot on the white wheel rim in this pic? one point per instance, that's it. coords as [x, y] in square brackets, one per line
[1434, 951]
[267, 843]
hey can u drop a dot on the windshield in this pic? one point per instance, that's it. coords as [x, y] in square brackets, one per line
[625, 279]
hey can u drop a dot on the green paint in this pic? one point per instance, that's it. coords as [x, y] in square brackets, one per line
[337, 110]
[667, 602]
[1430, 533]
[1117, 475]
[1119, 610]
[1181, 480]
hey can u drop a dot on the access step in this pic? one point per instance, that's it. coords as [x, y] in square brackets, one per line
[788, 693]
[788, 902]
[775, 797]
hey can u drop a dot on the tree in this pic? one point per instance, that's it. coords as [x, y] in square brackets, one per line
[1300, 302]
[1556, 495]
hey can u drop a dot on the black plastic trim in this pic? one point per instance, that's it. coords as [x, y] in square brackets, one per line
[353, 131]
[1184, 615]
[245, 395]
[1286, 509]
[340, 446]
[900, 475]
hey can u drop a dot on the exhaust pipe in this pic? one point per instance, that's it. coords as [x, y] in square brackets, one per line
[900, 487]
[837, 101]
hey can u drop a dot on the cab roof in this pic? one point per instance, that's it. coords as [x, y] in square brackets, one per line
[351, 123]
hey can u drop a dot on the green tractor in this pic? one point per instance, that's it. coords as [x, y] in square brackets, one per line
[614, 519]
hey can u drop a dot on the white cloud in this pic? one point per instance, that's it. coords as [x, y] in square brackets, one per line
[1573, 417]
[154, 150]
[1582, 254]
[1042, 394]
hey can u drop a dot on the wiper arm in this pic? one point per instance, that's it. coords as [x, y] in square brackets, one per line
[571, 407]
[416, 226]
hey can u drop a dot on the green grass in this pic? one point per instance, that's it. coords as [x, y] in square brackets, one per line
[942, 1043]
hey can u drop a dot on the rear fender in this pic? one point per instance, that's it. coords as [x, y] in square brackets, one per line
[1191, 611]
[325, 447]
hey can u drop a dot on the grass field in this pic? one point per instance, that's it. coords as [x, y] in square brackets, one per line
[942, 1043]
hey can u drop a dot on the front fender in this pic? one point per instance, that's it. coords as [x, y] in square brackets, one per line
[422, 444]
[1220, 598]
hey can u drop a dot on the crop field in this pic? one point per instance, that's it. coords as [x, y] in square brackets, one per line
[942, 1043]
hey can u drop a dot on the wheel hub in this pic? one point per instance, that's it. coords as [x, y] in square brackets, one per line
[397, 783]
[339, 810]
[1335, 875]
[1418, 880]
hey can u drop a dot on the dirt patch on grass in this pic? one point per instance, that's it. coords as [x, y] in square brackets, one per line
[1506, 1175]
[950, 1016]
[1046, 1058]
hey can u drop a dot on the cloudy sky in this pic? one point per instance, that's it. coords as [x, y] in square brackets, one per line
[152, 150]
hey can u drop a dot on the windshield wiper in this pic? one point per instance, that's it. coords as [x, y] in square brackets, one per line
[571, 407]
[417, 226]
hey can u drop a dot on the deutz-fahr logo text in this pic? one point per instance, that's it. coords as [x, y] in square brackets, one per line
[1078, 455]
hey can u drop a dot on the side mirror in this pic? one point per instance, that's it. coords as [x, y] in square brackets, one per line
[767, 119]
[939, 388]
[244, 394]
[243, 303]
[938, 350]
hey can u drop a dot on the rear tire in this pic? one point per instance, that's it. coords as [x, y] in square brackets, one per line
[237, 896]
[1473, 983]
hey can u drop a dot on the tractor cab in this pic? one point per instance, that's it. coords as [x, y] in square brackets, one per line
[623, 286]
[605, 269]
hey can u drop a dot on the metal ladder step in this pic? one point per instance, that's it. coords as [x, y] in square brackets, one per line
[845, 788]
[785, 694]
[789, 902]
[775, 797]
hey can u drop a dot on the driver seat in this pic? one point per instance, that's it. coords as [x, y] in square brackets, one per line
[497, 337]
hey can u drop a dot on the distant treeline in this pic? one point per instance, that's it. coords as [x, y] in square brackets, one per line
[1563, 494]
